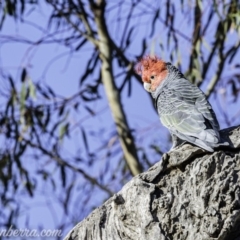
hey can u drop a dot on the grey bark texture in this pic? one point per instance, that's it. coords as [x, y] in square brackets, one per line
[189, 194]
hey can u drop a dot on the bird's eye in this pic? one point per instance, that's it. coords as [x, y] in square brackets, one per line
[152, 77]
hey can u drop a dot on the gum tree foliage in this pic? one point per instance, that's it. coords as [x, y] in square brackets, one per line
[200, 37]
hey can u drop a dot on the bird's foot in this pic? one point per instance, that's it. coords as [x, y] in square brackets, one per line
[177, 145]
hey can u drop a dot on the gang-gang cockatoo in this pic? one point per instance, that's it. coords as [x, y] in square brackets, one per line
[182, 106]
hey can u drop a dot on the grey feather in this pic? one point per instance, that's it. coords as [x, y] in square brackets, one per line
[185, 111]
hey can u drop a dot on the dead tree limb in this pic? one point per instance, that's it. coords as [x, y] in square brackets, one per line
[189, 194]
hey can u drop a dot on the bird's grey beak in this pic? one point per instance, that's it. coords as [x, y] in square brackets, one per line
[147, 86]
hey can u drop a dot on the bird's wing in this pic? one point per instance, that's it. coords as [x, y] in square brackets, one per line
[183, 108]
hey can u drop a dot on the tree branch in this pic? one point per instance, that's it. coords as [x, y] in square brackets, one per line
[189, 194]
[60, 161]
[105, 51]
[89, 35]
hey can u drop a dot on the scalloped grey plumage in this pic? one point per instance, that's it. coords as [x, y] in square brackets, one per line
[185, 111]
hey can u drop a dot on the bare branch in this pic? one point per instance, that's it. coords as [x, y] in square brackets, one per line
[60, 161]
[105, 51]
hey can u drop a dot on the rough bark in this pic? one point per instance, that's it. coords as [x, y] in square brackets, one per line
[189, 194]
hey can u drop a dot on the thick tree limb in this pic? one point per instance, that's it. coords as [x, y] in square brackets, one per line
[113, 95]
[190, 194]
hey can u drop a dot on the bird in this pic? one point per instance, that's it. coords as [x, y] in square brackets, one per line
[182, 107]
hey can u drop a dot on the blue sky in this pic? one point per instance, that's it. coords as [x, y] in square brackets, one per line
[52, 64]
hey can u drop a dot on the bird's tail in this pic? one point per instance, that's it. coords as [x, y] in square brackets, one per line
[208, 143]
[209, 146]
